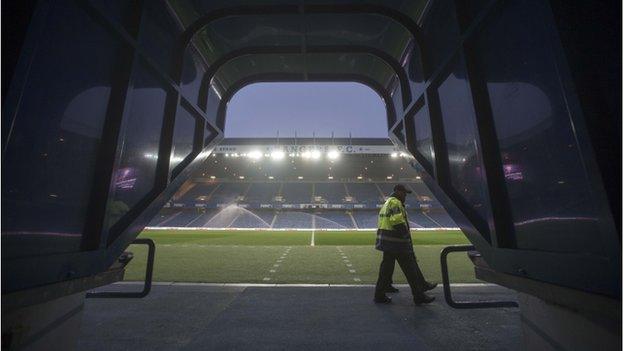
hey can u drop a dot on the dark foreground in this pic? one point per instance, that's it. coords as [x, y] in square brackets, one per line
[209, 317]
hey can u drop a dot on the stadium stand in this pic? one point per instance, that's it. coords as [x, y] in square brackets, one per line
[297, 193]
[262, 192]
[333, 193]
[332, 220]
[293, 219]
[365, 218]
[238, 192]
[364, 192]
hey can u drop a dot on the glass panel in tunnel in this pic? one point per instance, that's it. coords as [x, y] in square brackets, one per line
[462, 141]
[183, 136]
[158, 33]
[192, 74]
[441, 31]
[551, 202]
[423, 138]
[138, 155]
[414, 66]
[399, 132]
[52, 148]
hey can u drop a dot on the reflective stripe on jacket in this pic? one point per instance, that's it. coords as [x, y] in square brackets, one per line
[393, 232]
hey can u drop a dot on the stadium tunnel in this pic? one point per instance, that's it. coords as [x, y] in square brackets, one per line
[509, 112]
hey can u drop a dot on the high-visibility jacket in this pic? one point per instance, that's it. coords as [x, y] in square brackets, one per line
[393, 233]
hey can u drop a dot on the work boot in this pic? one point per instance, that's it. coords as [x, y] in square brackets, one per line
[423, 298]
[392, 289]
[429, 286]
[382, 299]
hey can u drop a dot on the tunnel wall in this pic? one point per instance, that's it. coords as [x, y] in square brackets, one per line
[499, 134]
[99, 136]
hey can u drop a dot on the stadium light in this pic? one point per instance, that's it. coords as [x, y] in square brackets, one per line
[330, 177]
[306, 154]
[213, 177]
[394, 155]
[417, 177]
[277, 155]
[389, 177]
[271, 177]
[359, 177]
[255, 155]
[300, 177]
[333, 154]
[316, 154]
[241, 177]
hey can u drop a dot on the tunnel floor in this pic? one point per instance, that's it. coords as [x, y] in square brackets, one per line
[186, 316]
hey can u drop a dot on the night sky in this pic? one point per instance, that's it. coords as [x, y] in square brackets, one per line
[260, 110]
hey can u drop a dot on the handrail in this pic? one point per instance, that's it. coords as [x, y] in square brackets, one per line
[447, 286]
[148, 276]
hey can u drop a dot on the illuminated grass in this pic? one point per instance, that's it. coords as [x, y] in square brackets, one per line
[249, 256]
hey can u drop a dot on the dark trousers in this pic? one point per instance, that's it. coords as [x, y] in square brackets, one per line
[409, 266]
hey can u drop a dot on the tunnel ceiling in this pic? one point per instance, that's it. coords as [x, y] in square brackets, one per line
[377, 39]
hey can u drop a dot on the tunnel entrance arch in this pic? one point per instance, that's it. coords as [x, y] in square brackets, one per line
[133, 75]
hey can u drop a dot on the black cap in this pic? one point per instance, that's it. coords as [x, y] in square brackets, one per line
[401, 187]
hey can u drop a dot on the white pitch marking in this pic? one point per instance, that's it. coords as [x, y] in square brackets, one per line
[349, 265]
[272, 271]
[352, 270]
[266, 279]
[312, 239]
[357, 279]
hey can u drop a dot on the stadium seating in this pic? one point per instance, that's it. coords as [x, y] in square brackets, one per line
[253, 205]
[183, 218]
[229, 192]
[333, 193]
[262, 192]
[293, 219]
[365, 192]
[365, 218]
[199, 191]
[297, 193]
[332, 220]
[253, 219]
[442, 218]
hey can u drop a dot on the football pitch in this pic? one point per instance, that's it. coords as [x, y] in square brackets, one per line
[287, 257]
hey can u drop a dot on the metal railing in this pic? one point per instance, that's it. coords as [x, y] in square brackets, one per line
[447, 285]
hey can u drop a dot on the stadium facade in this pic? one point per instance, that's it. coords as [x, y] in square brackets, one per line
[299, 184]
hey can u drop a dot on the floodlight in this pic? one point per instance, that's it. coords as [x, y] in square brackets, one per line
[333, 154]
[394, 155]
[330, 177]
[389, 177]
[316, 154]
[255, 155]
[213, 177]
[306, 154]
[241, 177]
[299, 177]
[277, 155]
[271, 177]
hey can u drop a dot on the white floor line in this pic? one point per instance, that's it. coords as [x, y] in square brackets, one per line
[459, 285]
[312, 238]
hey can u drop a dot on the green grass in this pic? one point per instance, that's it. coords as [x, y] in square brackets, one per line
[248, 257]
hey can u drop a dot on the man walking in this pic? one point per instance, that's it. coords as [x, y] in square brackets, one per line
[395, 240]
